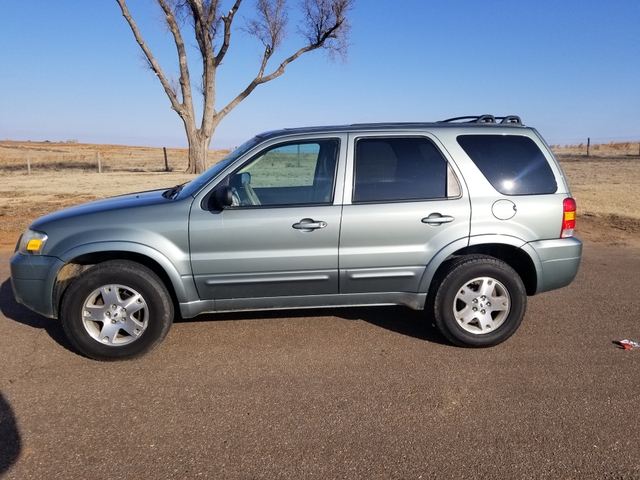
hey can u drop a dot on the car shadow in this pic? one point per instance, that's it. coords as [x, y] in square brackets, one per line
[10, 441]
[402, 320]
[397, 319]
[11, 309]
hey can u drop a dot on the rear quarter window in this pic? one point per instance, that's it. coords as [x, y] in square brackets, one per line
[513, 164]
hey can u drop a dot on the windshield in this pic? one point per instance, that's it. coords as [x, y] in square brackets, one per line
[200, 181]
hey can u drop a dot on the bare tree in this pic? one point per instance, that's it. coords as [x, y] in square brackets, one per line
[324, 26]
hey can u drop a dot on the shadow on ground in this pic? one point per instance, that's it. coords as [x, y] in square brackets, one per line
[10, 443]
[11, 309]
[401, 320]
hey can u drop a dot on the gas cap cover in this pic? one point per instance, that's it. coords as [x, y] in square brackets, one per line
[504, 209]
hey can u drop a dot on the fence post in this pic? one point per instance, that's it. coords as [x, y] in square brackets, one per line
[28, 164]
[166, 162]
[99, 163]
[588, 145]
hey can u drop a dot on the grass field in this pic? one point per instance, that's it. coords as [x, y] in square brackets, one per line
[606, 184]
[47, 157]
[612, 149]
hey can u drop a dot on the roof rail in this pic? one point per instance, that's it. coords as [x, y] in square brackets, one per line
[509, 119]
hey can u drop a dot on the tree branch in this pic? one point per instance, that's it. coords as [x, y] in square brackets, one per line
[185, 79]
[228, 19]
[326, 22]
[153, 64]
[260, 79]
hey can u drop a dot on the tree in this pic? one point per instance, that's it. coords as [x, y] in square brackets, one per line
[324, 26]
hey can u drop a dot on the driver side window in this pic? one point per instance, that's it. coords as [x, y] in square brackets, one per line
[300, 173]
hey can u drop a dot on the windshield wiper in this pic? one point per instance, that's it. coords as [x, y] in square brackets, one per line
[173, 191]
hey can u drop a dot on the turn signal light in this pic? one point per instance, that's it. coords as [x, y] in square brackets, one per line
[35, 244]
[569, 218]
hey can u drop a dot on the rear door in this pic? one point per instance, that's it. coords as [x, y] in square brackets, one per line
[405, 205]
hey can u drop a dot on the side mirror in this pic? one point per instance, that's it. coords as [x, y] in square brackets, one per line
[222, 197]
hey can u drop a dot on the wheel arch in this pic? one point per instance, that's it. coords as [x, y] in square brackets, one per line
[84, 257]
[509, 250]
[513, 256]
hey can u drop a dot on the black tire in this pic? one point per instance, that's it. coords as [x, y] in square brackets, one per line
[480, 301]
[94, 311]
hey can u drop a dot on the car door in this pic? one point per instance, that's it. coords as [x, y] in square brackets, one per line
[405, 205]
[280, 236]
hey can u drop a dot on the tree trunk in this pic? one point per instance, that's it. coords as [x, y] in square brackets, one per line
[198, 149]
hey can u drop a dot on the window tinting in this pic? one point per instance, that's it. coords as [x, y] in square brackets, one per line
[396, 169]
[513, 164]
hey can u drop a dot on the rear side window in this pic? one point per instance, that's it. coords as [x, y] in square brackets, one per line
[513, 164]
[398, 169]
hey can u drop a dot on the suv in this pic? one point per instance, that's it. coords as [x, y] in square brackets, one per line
[463, 218]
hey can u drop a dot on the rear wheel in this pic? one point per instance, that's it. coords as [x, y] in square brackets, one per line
[480, 301]
[116, 310]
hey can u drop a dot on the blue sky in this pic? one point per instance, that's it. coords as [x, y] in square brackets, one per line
[71, 69]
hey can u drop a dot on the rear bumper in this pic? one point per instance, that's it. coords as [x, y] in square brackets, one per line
[558, 262]
[32, 281]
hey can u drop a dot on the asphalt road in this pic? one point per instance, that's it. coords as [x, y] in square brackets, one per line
[349, 393]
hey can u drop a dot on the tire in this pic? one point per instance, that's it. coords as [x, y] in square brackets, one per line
[116, 310]
[480, 301]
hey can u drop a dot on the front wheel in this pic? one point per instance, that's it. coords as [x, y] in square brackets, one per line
[116, 310]
[480, 302]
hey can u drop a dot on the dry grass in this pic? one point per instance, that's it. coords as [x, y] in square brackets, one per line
[610, 150]
[607, 187]
[65, 174]
[48, 156]
[607, 182]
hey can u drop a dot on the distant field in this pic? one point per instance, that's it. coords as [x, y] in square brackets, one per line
[45, 157]
[606, 184]
[613, 149]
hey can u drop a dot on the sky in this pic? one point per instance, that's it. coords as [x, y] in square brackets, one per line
[71, 70]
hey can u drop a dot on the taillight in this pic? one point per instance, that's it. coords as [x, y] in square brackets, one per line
[568, 217]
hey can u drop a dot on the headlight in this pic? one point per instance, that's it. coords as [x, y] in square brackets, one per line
[32, 243]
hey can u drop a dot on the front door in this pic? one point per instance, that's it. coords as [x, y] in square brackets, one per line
[280, 236]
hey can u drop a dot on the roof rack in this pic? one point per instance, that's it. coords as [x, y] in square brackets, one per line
[509, 119]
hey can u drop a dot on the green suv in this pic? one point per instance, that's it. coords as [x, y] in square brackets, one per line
[463, 218]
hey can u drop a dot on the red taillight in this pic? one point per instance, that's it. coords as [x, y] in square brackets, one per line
[568, 217]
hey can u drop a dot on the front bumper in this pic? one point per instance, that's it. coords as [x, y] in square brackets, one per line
[33, 279]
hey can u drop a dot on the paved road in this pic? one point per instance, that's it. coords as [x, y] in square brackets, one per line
[354, 393]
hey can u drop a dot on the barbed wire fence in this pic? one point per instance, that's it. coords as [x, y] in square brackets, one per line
[599, 147]
[31, 159]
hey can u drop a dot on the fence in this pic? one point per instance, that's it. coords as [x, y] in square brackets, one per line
[589, 149]
[31, 157]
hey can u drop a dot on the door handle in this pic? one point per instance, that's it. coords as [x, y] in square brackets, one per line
[437, 219]
[308, 225]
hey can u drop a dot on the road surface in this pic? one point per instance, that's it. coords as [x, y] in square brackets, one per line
[360, 393]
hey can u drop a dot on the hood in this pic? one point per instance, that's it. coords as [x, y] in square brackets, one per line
[121, 202]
